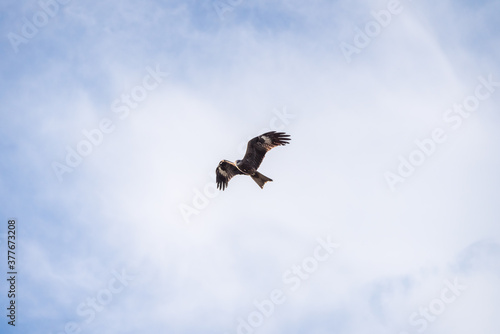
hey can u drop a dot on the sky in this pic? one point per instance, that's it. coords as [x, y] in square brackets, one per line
[383, 212]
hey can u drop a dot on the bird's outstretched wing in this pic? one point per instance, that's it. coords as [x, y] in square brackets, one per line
[224, 172]
[259, 146]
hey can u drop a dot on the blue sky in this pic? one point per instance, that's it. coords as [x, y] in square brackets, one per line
[383, 213]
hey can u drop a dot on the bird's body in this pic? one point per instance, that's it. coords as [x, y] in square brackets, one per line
[256, 150]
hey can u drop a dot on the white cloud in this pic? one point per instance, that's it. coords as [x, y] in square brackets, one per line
[120, 207]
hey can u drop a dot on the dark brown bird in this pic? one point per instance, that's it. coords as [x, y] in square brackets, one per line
[256, 150]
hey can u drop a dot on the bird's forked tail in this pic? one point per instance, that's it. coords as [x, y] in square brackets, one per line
[260, 179]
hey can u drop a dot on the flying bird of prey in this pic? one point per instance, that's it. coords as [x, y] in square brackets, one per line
[256, 150]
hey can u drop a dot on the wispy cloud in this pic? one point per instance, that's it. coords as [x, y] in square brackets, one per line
[227, 80]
